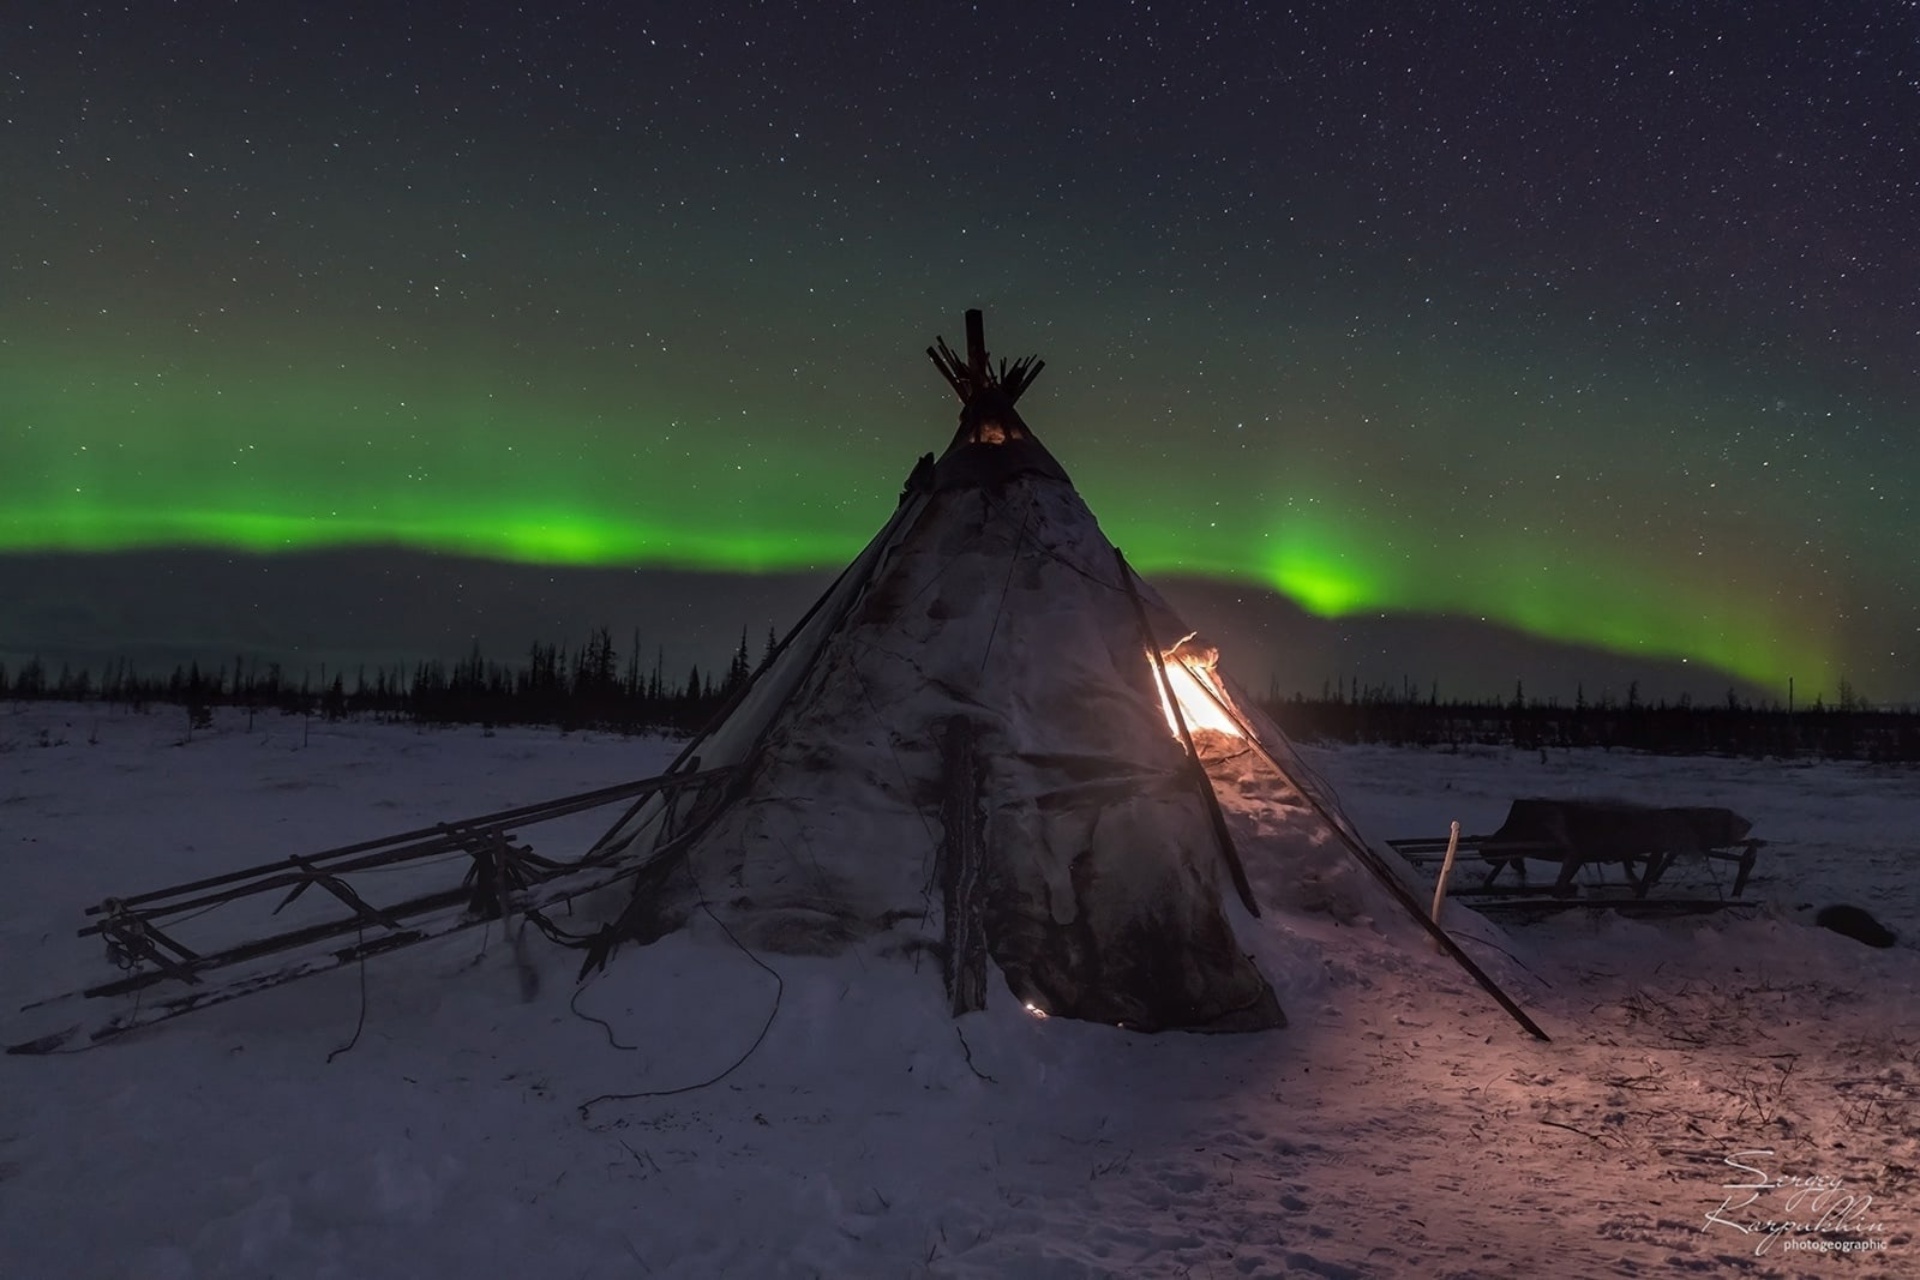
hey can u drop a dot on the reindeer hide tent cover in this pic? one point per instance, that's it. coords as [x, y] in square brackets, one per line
[964, 751]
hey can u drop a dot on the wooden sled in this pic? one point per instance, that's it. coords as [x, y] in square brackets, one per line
[498, 876]
[1597, 836]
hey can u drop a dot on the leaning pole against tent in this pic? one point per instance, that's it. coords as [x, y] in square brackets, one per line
[1375, 865]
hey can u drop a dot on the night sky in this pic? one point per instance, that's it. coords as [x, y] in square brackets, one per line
[1599, 322]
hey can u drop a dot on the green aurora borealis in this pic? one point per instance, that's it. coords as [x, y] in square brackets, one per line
[173, 456]
[304, 308]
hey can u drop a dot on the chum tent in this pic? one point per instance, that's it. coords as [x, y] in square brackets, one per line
[987, 742]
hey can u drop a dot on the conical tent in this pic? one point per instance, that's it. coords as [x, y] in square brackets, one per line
[968, 750]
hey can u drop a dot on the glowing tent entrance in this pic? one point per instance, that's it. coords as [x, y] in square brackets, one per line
[1203, 701]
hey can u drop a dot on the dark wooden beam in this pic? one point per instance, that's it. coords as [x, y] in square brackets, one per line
[953, 379]
[1021, 376]
[963, 868]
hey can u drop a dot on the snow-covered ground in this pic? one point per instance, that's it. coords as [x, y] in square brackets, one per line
[1401, 1125]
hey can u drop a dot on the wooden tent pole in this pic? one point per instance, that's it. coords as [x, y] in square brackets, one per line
[962, 868]
[1220, 831]
[977, 347]
[1381, 872]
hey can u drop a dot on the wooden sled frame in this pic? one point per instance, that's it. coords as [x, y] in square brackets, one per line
[1642, 871]
[501, 877]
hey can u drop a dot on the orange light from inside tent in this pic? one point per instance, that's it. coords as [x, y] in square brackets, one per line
[1199, 708]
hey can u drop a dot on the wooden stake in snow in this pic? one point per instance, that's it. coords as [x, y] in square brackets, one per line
[1446, 869]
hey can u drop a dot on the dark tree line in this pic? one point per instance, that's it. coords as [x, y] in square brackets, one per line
[591, 685]
[1847, 729]
[577, 687]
